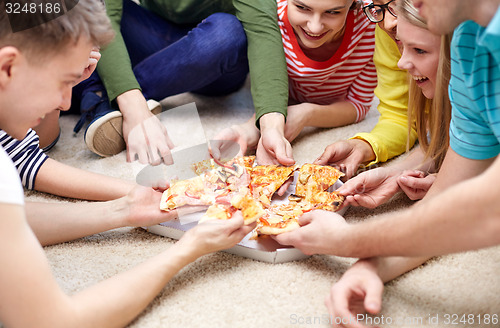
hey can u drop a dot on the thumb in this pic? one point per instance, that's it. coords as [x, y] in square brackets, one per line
[305, 219]
[323, 159]
[373, 298]
[284, 155]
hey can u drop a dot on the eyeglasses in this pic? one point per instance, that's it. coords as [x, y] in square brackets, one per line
[376, 13]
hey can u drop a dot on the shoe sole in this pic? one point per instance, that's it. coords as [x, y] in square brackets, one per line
[104, 136]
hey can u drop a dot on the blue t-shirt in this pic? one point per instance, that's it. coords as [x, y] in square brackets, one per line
[475, 90]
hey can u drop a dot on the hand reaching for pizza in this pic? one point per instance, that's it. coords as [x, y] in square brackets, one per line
[273, 149]
[321, 232]
[415, 183]
[371, 188]
[358, 291]
[215, 235]
[246, 136]
[348, 153]
[142, 209]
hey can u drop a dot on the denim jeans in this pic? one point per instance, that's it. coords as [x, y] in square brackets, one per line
[168, 59]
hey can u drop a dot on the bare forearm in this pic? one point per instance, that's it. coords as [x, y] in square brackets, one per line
[463, 217]
[389, 268]
[55, 223]
[63, 180]
[415, 161]
[272, 121]
[337, 114]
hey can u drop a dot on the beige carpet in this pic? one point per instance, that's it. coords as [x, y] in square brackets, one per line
[223, 290]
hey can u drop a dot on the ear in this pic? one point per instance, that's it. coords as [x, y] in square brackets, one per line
[9, 57]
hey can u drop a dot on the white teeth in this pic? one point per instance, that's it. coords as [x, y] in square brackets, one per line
[313, 35]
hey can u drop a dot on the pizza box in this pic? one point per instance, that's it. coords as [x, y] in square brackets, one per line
[263, 249]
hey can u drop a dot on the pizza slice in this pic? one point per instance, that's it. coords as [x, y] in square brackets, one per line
[281, 218]
[314, 178]
[232, 175]
[266, 179]
[218, 212]
[195, 191]
[250, 208]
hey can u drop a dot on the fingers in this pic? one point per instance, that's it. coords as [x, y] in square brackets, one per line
[284, 154]
[281, 191]
[306, 218]
[373, 298]
[364, 200]
[337, 303]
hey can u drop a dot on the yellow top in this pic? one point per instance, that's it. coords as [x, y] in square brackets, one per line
[389, 137]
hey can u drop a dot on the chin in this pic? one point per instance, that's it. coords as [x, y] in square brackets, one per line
[429, 94]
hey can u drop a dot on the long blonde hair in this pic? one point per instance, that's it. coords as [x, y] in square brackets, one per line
[430, 116]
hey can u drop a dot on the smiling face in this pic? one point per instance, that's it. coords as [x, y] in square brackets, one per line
[33, 89]
[420, 55]
[318, 22]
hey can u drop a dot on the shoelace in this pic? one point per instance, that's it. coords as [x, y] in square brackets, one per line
[89, 103]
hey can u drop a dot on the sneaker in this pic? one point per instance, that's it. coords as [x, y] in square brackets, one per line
[104, 134]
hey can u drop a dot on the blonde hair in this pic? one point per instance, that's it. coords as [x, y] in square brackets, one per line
[43, 32]
[431, 117]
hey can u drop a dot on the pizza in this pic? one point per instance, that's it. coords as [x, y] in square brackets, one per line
[250, 208]
[194, 191]
[314, 178]
[239, 185]
[265, 180]
[281, 218]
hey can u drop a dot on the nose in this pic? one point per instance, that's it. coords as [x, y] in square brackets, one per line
[390, 22]
[65, 99]
[404, 62]
[314, 24]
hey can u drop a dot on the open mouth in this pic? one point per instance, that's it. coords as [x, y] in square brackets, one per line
[312, 36]
[420, 79]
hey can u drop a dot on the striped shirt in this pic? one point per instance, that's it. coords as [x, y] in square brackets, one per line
[348, 75]
[25, 154]
[475, 90]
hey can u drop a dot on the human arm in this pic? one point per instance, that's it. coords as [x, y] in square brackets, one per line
[360, 288]
[145, 136]
[268, 77]
[323, 116]
[389, 137]
[54, 223]
[36, 300]
[266, 56]
[460, 212]
[63, 180]
[376, 186]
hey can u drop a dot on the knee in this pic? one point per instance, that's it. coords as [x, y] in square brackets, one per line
[227, 30]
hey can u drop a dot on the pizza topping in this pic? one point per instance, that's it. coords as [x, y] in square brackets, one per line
[236, 185]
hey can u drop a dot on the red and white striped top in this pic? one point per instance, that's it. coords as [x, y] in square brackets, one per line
[348, 75]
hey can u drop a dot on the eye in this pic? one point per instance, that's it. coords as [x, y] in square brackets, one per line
[300, 7]
[332, 12]
[419, 51]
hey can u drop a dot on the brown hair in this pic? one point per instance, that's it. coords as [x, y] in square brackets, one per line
[430, 116]
[44, 31]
